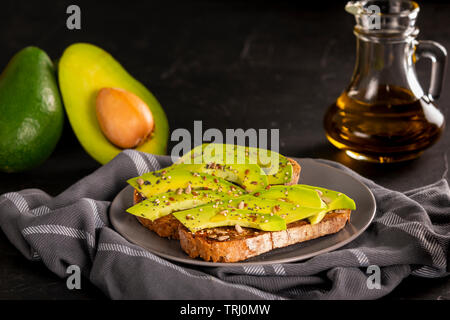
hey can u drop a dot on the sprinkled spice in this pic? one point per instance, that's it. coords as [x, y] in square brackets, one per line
[275, 209]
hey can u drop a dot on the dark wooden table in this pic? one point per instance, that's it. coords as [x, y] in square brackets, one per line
[230, 64]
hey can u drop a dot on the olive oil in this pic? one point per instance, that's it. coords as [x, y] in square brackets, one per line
[396, 127]
[384, 115]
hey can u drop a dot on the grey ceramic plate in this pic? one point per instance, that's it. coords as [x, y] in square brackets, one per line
[313, 173]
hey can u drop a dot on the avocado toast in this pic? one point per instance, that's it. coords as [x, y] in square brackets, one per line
[222, 213]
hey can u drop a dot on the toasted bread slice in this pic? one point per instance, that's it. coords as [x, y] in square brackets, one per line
[228, 244]
[167, 226]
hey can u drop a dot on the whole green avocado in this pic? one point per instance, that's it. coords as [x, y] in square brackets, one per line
[31, 112]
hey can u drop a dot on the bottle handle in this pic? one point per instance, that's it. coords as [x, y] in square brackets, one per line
[438, 56]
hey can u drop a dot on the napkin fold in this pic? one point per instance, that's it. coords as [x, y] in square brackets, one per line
[410, 235]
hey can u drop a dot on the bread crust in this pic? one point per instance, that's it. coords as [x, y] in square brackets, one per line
[166, 227]
[199, 245]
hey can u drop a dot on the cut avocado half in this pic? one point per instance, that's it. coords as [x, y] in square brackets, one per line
[83, 70]
[277, 167]
[153, 183]
[161, 205]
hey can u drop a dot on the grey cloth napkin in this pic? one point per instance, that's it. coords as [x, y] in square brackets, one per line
[409, 236]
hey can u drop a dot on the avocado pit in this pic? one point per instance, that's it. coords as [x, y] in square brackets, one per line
[125, 120]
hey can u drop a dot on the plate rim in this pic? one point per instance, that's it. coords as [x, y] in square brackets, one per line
[191, 261]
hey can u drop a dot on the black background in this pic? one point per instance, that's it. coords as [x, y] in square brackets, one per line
[230, 64]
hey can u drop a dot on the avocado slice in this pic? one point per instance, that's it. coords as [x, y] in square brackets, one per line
[31, 110]
[165, 180]
[335, 200]
[209, 217]
[296, 194]
[83, 70]
[277, 173]
[249, 176]
[290, 212]
[160, 205]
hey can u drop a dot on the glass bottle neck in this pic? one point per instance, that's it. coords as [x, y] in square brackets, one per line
[383, 63]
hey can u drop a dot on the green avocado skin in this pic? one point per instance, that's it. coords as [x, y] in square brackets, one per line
[31, 112]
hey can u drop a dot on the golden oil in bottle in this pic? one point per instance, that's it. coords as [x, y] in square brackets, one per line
[396, 127]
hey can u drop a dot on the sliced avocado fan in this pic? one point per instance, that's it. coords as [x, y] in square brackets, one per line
[335, 200]
[203, 218]
[277, 167]
[305, 197]
[164, 180]
[160, 205]
[249, 176]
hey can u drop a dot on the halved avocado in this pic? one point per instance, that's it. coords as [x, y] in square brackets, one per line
[83, 70]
